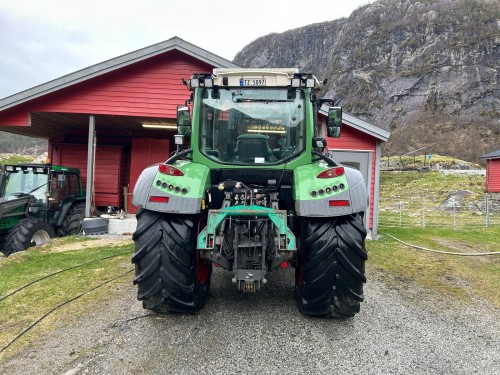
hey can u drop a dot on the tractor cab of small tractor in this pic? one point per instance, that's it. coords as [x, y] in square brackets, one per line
[46, 187]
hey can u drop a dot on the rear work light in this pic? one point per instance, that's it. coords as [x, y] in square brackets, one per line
[342, 203]
[332, 172]
[169, 170]
[158, 199]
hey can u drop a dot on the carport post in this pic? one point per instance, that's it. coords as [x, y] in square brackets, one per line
[90, 165]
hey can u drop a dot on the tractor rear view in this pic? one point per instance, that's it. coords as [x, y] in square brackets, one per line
[38, 202]
[253, 192]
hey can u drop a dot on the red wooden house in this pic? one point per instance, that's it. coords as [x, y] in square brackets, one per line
[493, 173]
[113, 101]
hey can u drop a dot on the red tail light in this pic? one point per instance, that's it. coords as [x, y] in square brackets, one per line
[158, 199]
[171, 171]
[332, 172]
[343, 203]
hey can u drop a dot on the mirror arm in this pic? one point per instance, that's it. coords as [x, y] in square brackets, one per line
[178, 156]
[329, 160]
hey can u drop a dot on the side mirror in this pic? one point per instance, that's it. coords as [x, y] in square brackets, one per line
[334, 121]
[183, 120]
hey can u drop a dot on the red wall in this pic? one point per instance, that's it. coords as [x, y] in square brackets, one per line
[355, 140]
[493, 176]
[151, 88]
[110, 168]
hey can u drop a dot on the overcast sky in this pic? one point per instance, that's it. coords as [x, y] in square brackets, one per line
[41, 40]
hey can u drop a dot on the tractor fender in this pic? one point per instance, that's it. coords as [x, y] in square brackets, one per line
[65, 207]
[183, 194]
[317, 197]
[357, 188]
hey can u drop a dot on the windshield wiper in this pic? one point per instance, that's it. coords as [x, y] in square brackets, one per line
[38, 187]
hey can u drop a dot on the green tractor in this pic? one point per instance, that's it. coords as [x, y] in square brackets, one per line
[253, 193]
[38, 202]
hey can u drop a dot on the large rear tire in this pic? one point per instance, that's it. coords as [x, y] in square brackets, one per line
[27, 233]
[72, 223]
[169, 274]
[331, 266]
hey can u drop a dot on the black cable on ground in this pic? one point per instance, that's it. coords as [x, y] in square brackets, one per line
[59, 306]
[58, 272]
[442, 252]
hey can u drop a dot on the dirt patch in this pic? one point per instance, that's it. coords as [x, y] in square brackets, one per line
[458, 246]
[463, 247]
[91, 243]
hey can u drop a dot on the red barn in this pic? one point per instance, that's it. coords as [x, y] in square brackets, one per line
[493, 173]
[109, 104]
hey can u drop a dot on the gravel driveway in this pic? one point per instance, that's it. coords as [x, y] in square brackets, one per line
[265, 334]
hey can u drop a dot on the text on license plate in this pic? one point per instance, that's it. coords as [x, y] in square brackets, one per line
[252, 81]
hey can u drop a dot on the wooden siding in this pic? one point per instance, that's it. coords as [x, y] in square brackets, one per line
[15, 117]
[354, 140]
[109, 169]
[151, 88]
[493, 176]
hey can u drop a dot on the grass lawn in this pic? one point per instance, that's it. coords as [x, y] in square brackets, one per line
[462, 277]
[23, 308]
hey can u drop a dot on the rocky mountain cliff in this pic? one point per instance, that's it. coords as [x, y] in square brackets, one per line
[426, 70]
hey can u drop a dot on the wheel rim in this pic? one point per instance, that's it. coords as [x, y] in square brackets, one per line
[40, 237]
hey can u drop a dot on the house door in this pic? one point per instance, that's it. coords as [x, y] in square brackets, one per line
[360, 160]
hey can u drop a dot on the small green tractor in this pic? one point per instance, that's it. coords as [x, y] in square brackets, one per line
[251, 189]
[38, 202]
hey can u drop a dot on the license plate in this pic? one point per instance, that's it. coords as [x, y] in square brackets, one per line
[252, 81]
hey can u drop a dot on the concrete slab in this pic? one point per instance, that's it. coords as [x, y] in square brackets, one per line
[127, 225]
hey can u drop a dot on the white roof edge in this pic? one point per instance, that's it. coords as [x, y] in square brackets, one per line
[359, 124]
[113, 64]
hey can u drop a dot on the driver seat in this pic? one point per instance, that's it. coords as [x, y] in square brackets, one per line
[251, 146]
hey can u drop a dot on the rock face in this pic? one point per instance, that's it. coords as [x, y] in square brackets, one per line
[426, 70]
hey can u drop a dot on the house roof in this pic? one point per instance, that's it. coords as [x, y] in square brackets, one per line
[492, 155]
[96, 70]
[360, 125]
